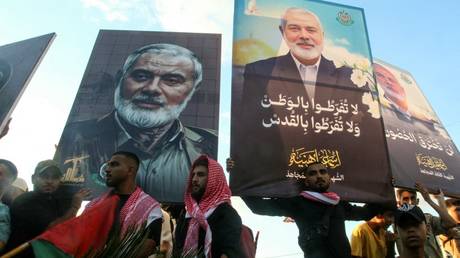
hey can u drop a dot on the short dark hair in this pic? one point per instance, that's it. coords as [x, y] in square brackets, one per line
[452, 202]
[400, 191]
[201, 161]
[10, 167]
[129, 155]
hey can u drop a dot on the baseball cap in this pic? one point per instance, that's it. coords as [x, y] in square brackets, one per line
[409, 213]
[46, 165]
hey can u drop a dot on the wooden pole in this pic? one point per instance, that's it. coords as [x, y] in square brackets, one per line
[16, 250]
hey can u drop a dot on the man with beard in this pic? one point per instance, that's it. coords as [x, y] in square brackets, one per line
[277, 112]
[209, 225]
[396, 100]
[34, 212]
[133, 206]
[320, 215]
[154, 87]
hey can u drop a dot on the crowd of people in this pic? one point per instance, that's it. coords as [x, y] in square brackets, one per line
[209, 226]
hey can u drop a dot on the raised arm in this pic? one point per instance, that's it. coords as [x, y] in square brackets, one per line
[354, 212]
[260, 205]
[447, 221]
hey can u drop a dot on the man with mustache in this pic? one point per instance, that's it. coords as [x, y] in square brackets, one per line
[153, 88]
[319, 215]
[209, 226]
[395, 97]
[271, 121]
[34, 212]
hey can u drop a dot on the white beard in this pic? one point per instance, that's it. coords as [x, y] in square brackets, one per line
[147, 118]
[302, 53]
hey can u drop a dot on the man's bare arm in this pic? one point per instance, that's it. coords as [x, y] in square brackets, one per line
[446, 220]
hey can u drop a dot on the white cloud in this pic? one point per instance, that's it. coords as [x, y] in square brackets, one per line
[341, 55]
[114, 10]
[343, 41]
[194, 16]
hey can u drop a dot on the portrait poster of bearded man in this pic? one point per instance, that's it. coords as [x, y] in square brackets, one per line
[155, 94]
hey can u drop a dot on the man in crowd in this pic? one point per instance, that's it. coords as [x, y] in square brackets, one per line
[371, 238]
[435, 225]
[320, 215]
[210, 225]
[8, 173]
[34, 212]
[153, 88]
[451, 241]
[134, 206]
[411, 225]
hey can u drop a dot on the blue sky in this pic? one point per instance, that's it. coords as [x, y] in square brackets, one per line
[420, 37]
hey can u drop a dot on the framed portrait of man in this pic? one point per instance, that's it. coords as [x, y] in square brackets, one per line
[155, 94]
[303, 92]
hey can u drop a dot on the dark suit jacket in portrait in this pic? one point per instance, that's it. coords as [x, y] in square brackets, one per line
[164, 167]
[263, 153]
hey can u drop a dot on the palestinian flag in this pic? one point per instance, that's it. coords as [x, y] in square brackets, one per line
[79, 235]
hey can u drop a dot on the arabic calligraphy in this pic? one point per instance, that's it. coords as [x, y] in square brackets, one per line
[297, 176]
[300, 114]
[302, 158]
[437, 174]
[430, 162]
[424, 141]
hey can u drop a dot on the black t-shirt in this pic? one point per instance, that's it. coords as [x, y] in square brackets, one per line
[225, 226]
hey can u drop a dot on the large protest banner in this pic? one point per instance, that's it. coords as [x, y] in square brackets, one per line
[18, 62]
[152, 93]
[420, 148]
[303, 92]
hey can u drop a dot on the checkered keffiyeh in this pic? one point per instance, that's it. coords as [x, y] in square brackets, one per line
[330, 198]
[216, 193]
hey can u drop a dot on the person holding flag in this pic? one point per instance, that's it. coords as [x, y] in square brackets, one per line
[116, 211]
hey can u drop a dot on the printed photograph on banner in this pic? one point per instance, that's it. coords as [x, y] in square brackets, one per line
[18, 62]
[155, 94]
[419, 146]
[303, 91]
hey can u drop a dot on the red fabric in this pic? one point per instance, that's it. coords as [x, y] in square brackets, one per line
[89, 230]
[137, 209]
[217, 192]
[326, 197]
[248, 245]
